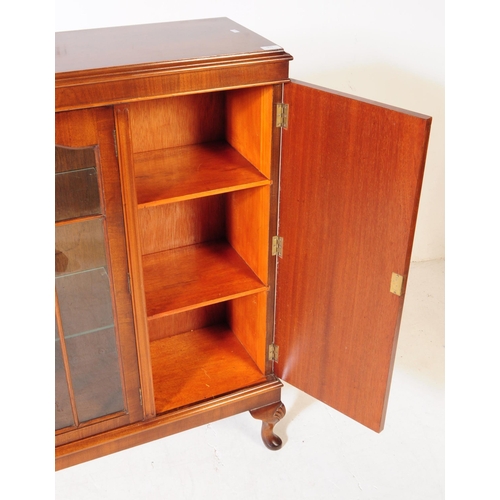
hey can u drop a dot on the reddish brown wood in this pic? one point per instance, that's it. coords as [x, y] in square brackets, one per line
[89, 128]
[124, 146]
[213, 363]
[351, 177]
[270, 416]
[249, 124]
[176, 174]
[170, 423]
[194, 319]
[176, 121]
[67, 377]
[348, 210]
[157, 44]
[195, 276]
[175, 225]
[112, 65]
[247, 318]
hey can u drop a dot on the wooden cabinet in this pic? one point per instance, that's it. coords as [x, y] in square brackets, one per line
[253, 229]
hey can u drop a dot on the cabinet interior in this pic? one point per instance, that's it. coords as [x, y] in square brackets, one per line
[202, 166]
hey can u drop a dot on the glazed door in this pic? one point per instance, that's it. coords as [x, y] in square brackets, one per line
[350, 184]
[97, 381]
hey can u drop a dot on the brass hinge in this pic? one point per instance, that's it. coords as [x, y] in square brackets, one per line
[282, 115]
[140, 396]
[128, 283]
[277, 247]
[274, 351]
[397, 282]
[116, 144]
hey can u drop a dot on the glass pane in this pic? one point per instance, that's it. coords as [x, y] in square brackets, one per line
[77, 188]
[84, 294]
[64, 415]
[86, 309]
[95, 373]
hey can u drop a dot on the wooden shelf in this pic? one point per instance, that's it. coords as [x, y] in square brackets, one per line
[199, 365]
[194, 276]
[186, 172]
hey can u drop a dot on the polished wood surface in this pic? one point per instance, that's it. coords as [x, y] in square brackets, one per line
[194, 276]
[194, 319]
[270, 416]
[116, 65]
[199, 365]
[183, 120]
[249, 124]
[351, 178]
[175, 225]
[199, 185]
[153, 44]
[125, 156]
[169, 175]
[245, 399]
[88, 128]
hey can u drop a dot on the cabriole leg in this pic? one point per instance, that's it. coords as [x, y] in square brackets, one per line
[270, 416]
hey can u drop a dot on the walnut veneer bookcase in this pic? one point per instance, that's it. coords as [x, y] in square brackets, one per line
[220, 228]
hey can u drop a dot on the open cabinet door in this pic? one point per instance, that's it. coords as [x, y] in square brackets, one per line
[351, 176]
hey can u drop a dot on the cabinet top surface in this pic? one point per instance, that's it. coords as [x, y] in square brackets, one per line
[150, 44]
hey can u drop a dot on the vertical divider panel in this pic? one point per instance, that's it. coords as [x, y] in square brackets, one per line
[125, 153]
[247, 319]
[247, 227]
[249, 122]
[249, 129]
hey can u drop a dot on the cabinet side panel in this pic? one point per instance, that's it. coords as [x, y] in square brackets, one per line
[351, 178]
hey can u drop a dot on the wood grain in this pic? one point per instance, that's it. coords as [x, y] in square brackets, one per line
[195, 276]
[249, 124]
[175, 42]
[247, 227]
[175, 225]
[351, 177]
[194, 319]
[83, 129]
[125, 155]
[210, 410]
[247, 318]
[213, 363]
[175, 174]
[117, 65]
[176, 121]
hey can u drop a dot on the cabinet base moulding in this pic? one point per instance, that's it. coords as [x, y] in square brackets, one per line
[249, 399]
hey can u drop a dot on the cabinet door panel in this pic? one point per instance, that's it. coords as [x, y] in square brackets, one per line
[97, 376]
[351, 177]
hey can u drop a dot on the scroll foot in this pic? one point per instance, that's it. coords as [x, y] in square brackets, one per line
[270, 416]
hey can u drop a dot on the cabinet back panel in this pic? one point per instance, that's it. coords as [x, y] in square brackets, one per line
[183, 223]
[187, 321]
[177, 121]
